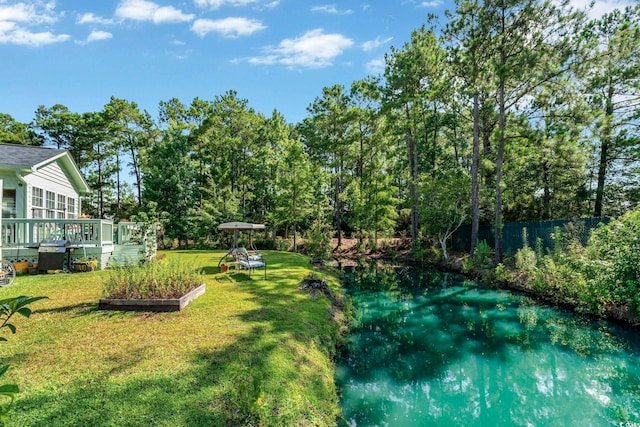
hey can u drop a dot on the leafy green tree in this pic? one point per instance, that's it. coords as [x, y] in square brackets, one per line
[132, 132]
[273, 137]
[371, 197]
[168, 180]
[58, 126]
[294, 196]
[326, 137]
[414, 84]
[616, 250]
[444, 204]
[99, 162]
[469, 45]
[547, 176]
[318, 240]
[15, 132]
[612, 84]
[531, 43]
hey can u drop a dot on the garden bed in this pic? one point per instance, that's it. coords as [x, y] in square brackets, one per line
[158, 305]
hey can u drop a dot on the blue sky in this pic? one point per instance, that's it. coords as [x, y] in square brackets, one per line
[277, 54]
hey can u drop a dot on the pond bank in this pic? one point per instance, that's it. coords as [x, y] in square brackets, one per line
[399, 251]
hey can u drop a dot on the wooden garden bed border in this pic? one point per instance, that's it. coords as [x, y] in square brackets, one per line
[171, 304]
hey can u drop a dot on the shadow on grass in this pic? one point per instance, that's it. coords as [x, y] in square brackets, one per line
[210, 270]
[261, 378]
[81, 308]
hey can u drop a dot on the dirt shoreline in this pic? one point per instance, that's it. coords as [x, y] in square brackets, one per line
[398, 250]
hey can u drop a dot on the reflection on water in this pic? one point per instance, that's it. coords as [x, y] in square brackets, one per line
[429, 348]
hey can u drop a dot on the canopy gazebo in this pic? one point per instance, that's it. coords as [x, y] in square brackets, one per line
[236, 227]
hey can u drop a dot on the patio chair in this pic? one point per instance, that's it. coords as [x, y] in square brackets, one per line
[250, 262]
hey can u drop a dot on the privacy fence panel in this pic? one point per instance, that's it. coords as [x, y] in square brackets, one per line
[512, 234]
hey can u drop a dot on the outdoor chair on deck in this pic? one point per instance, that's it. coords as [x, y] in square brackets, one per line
[250, 262]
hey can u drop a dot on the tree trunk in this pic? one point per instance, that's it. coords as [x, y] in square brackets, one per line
[475, 165]
[605, 146]
[338, 210]
[502, 122]
[412, 156]
[546, 197]
[295, 243]
[118, 186]
[500, 158]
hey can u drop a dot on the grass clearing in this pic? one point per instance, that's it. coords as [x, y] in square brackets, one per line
[247, 352]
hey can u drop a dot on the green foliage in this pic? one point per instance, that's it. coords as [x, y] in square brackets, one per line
[526, 260]
[158, 279]
[8, 308]
[293, 204]
[318, 243]
[282, 244]
[483, 255]
[168, 182]
[468, 264]
[502, 274]
[444, 203]
[617, 247]
[539, 249]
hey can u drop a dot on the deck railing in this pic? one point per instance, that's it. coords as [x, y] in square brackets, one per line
[30, 232]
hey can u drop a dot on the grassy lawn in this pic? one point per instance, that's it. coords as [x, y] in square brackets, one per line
[247, 352]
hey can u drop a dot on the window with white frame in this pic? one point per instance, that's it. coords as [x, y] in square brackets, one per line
[37, 202]
[50, 205]
[50, 201]
[61, 207]
[71, 207]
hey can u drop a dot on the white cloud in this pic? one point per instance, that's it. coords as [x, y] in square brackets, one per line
[216, 4]
[228, 27]
[331, 9]
[143, 10]
[90, 18]
[375, 66]
[20, 36]
[600, 7]
[17, 22]
[94, 36]
[314, 50]
[32, 12]
[430, 4]
[373, 44]
[97, 35]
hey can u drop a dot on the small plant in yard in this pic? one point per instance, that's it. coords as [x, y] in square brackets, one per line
[482, 256]
[159, 279]
[9, 307]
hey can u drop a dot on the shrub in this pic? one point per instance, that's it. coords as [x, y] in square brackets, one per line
[160, 279]
[483, 255]
[467, 264]
[502, 273]
[318, 242]
[526, 260]
[617, 247]
[282, 244]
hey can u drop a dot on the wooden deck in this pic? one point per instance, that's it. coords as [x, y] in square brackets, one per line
[90, 239]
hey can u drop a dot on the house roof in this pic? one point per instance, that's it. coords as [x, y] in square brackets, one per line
[29, 158]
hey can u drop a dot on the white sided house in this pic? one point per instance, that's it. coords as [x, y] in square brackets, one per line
[41, 200]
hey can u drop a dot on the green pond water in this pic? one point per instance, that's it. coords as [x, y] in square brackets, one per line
[429, 348]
